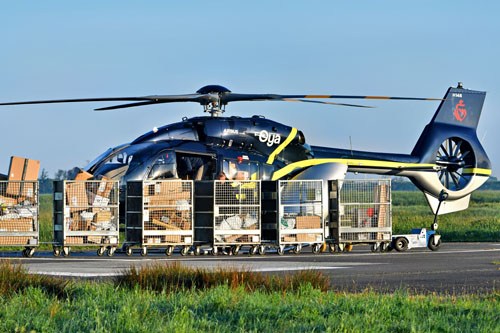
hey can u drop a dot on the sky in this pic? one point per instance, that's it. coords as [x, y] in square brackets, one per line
[70, 49]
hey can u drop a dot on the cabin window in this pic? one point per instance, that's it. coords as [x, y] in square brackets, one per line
[239, 170]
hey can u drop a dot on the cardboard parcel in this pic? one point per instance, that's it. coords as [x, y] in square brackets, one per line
[18, 200]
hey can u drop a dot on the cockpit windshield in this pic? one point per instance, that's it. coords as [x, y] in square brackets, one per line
[117, 163]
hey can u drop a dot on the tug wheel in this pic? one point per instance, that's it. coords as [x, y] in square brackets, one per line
[401, 244]
[432, 246]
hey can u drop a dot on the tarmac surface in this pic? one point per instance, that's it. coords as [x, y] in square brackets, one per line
[457, 268]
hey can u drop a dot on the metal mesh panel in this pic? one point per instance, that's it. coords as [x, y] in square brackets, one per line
[168, 212]
[364, 210]
[19, 213]
[91, 212]
[301, 211]
[237, 217]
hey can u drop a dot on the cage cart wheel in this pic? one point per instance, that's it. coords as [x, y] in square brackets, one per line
[30, 251]
[323, 247]
[100, 251]
[214, 251]
[66, 251]
[281, 250]
[169, 250]
[56, 252]
[111, 251]
[432, 246]
[197, 250]
[128, 250]
[297, 249]
[385, 247]
[262, 250]
[144, 251]
[184, 250]
[235, 249]
[316, 248]
[253, 250]
[401, 244]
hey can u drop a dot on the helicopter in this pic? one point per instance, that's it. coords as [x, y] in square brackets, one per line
[447, 157]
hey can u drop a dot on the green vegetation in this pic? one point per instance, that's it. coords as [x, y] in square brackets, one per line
[15, 279]
[114, 306]
[172, 277]
[480, 222]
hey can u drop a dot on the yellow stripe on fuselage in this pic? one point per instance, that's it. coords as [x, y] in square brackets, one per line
[478, 171]
[282, 146]
[349, 162]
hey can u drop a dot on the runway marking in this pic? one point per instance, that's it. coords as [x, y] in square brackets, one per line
[285, 269]
[71, 274]
[90, 275]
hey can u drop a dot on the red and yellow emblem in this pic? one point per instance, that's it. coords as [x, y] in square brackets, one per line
[460, 111]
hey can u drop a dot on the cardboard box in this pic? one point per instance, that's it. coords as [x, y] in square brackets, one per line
[167, 226]
[17, 240]
[76, 194]
[159, 200]
[105, 186]
[172, 239]
[22, 169]
[74, 240]
[8, 201]
[80, 225]
[21, 225]
[308, 222]
[232, 238]
[289, 239]
[97, 200]
[83, 175]
[308, 238]
[94, 239]
[103, 216]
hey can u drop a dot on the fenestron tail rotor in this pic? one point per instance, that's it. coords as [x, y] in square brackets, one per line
[455, 156]
[214, 98]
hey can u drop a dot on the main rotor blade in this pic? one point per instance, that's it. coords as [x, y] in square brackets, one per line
[232, 97]
[123, 106]
[144, 100]
[202, 99]
[74, 100]
[331, 103]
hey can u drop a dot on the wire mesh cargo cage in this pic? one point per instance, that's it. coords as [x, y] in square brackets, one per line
[237, 219]
[300, 218]
[19, 225]
[86, 214]
[160, 214]
[362, 211]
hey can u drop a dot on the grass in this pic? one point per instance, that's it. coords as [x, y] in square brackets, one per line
[480, 222]
[223, 307]
[15, 279]
[172, 277]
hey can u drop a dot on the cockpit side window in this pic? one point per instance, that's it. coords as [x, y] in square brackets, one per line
[164, 166]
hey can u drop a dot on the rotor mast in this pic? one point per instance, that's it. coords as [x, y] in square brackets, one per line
[214, 106]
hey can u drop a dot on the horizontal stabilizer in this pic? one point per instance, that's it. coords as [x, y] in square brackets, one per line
[447, 206]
